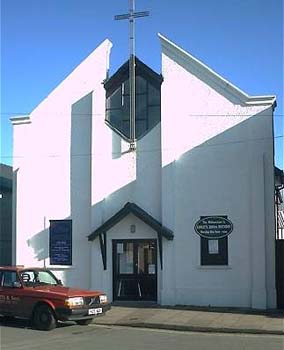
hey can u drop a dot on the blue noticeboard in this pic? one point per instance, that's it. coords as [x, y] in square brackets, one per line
[60, 242]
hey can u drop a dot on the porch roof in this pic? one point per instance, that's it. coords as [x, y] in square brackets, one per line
[138, 212]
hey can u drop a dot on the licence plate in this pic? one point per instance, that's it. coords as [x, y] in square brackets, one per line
[95, 311]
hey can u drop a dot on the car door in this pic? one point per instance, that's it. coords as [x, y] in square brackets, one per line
[11, 293]
[2, 296]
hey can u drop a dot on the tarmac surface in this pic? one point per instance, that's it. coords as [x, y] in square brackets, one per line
[197, 319]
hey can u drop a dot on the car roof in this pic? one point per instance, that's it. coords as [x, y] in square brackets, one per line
[20, 268]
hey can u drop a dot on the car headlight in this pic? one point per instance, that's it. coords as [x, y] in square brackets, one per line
[77, 301]
[103, 299]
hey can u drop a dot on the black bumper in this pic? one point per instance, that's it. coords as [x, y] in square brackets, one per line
[82, 313]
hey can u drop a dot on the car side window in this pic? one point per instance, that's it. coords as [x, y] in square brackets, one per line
[8, 278]
[28, 277]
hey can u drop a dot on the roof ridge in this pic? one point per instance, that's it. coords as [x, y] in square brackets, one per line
[174, 51]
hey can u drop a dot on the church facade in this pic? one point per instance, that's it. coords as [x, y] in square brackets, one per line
[185, 217]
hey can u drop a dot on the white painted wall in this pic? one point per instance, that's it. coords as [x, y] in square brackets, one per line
[212, 154]
[50, 184]
[217, 159]
[80, 188]
[119, 177]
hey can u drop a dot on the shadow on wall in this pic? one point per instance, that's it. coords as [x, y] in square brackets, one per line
[40, 245]
[233, 150]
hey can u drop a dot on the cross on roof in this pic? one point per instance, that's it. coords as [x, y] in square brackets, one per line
[131, 17]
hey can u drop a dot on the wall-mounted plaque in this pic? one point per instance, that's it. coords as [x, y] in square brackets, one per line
[213, 227]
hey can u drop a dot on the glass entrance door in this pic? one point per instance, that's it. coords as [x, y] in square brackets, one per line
[135, 270]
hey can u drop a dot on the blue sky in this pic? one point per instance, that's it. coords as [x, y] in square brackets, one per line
[43, 41]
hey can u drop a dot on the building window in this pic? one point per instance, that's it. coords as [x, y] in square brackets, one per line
[147, 100]
[214, 251]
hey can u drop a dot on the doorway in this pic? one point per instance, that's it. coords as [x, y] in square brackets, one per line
[135, 270]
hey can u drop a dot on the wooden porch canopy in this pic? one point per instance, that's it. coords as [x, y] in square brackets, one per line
[141, 214]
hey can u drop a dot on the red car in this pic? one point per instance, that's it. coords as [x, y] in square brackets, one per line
[36, 294]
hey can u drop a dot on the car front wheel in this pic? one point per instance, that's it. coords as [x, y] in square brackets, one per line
[43, 318]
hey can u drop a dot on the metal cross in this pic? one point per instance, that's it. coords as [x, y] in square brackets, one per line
[131, 16]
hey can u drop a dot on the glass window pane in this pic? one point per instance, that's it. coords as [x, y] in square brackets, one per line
[125, 128]
[126, 108]
[125, 87]
[146, 256]
[140, 85]
[140, 127]
[154, 115]
[153, 95]
[114, 117]
[147, 107]
[125, 258]
[213, 246]
[209, 255]
[141, 107]
[114, 100]
[142, 258]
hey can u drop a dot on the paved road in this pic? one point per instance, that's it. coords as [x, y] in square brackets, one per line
[19, 336]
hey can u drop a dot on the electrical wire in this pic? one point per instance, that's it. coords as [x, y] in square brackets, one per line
[97, 154]
[22, 114]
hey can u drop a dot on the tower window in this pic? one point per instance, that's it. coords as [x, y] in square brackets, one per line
[147, 100]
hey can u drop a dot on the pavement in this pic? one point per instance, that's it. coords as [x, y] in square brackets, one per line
[197, 319]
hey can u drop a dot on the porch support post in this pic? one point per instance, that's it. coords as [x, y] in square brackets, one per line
[160, 242]
[102, 238]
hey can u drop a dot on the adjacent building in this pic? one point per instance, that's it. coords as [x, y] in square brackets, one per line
[279, 186]
[279, 243]
[6, 193]
[185, 217]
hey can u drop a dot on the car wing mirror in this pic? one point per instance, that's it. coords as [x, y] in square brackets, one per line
[60, 282]
[17, 284]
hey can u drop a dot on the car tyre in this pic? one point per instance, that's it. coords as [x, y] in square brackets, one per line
[44, 318]
[84, 322]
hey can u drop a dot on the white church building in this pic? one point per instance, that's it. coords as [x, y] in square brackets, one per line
[184, 217]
